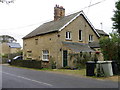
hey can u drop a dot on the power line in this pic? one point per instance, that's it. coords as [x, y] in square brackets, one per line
[94, 4]
[20, 27]
[90, 5]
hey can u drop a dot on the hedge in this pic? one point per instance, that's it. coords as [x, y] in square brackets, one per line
[27, 63]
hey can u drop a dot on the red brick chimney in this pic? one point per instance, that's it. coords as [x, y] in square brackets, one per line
[59, 12]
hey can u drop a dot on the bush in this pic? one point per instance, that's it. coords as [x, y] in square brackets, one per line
[52, 64]
[66, 67]
[27, 63]
[5, 56]
[80, 59]
[4, 60]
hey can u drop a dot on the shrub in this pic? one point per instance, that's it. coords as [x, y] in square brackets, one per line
[27, 63]
[66, 67]
[52, 63]
[80, 59]
[5, 56]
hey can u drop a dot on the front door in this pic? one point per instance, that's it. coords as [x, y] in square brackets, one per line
[64, 58]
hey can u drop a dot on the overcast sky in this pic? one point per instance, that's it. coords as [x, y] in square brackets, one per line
[23, 16]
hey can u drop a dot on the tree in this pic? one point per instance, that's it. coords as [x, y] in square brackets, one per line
[7, 39]
[7, 1]
[110, 47]
[116, 17]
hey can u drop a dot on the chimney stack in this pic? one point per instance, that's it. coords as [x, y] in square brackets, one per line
[59, 12]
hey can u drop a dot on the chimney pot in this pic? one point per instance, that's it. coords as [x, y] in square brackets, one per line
[59, 12]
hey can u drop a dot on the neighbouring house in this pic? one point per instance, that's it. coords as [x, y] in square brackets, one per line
[9, 48]
[64, 35]
[95, 45]
[8, 45]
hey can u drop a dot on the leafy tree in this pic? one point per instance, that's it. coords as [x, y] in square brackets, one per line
[111, 47]
[7, 1]
[116, 17]
[6, 38]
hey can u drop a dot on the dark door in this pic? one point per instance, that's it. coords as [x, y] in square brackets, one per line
[64, 58]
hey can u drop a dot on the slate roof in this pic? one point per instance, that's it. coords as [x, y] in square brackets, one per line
[101, 32]
[14, 45]
[94, 45]
[78, 47]
[58, 25]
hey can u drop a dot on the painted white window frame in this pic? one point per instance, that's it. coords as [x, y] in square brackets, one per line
[80, 35]
[90, 38]
[68, 35]
[45, 55]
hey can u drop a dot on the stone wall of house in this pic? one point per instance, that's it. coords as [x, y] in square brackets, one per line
[53, 41]
[5, 48]
[14, 50]
[74, 27]
[48, 42]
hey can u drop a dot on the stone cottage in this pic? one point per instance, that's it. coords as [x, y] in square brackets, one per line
[8, 45]
[57, 38]
[9, 48]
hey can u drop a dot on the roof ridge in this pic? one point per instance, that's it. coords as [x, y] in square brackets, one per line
[58, 25]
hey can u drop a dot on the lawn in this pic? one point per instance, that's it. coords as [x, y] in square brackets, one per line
[82, 73]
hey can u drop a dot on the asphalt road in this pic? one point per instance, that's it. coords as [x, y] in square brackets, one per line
[13, 77]
[0, 73]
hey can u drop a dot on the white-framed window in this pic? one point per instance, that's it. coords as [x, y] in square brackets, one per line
[45, 55]
[90, 38]
[80, 35]
[68, 35]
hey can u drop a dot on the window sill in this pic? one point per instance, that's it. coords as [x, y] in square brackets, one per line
[90, 41]
[44, 60]
[68, 39]
[80, 40]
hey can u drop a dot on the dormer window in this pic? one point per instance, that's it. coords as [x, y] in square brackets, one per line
[90, 38]
[68, 35]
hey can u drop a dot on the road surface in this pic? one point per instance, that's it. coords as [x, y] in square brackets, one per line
[13, 77]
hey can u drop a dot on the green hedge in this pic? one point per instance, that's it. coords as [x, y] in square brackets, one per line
[27, 63]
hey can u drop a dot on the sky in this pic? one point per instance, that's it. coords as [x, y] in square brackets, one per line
[23, 16]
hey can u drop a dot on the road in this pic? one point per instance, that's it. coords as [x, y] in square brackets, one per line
[0, 73]
[13, 77]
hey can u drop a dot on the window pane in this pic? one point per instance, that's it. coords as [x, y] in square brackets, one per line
[66, 34]
[69, 35]
[45, 55]
[90, 37]
[80, 34]
[45, 52]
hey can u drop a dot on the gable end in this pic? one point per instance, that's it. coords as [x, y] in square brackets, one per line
[85, 17]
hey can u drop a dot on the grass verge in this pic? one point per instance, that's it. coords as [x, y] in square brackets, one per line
[78, 73]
